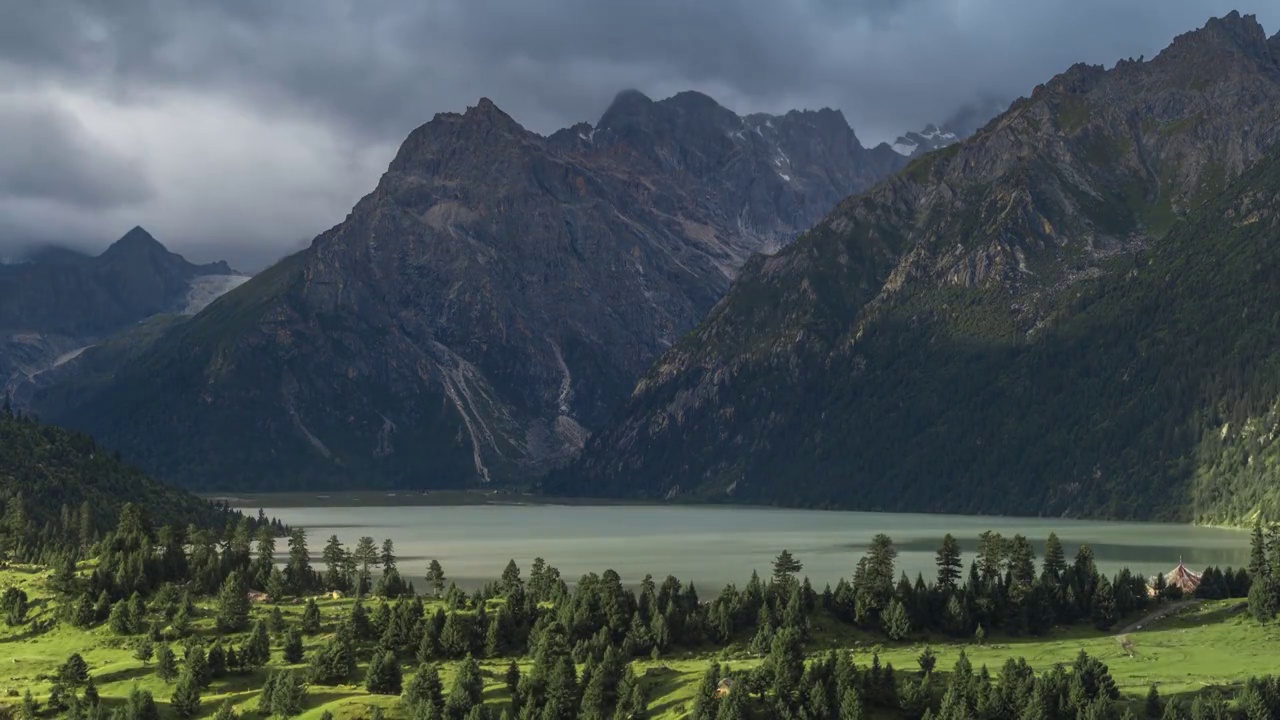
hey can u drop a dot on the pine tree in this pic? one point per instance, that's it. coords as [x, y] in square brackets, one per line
[897, 624]
[467, 690]
[705, 700]
[275, 585]
[334, 662]
[226, 711]
[257, 651]
[335, 563]
[311, 617]
[74, 672]
[949, 563]
[1055, 559]
[384, 676]
[166, 664]
[197, 665]
[435, 577]
[144, 650]
[118, 620]
[30, 708]
[425, 687]
[365, 556]
[217, 660]
[785, 569]
[185, 701]
[292, 651]
[388, 556]
[275, 622]
[927, 660]
[233, 605]
[1152, 707]
[1104, 605]
[298, 571]
[91, 692]
[288, 695]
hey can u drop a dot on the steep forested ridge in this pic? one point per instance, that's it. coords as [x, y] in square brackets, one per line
[58, 485]
[1074, 312]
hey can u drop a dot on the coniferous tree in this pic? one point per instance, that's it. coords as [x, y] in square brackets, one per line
[185, 701]
[425, 688]
[257, 651]
[275, 586]
[233, 604]
[1152, 706]
[435, 577]
[226, 711]
[298, 572]
[166, 663]
[384, 675]
[1104, 605]
[705, 699]
[118, 620]
[197, 665]
[334, 662]
[467, 690]
[292, 650]
[896, 622]
[365, 557]
[335, 565]
[144, 650]
[311, 617]
[949, 563]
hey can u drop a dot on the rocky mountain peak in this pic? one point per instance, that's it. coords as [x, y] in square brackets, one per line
[136, 242]
[456, 138]
[628, 108]
[1231, 36]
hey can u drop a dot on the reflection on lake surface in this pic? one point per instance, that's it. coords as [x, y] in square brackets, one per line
[715, 545]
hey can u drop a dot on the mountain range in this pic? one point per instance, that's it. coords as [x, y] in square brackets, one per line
[1072, 312]
[1062, 308]
[479, 313]
[56, 301]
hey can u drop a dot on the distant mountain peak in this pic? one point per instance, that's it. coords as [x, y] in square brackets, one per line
[627, 104]
[135, 242]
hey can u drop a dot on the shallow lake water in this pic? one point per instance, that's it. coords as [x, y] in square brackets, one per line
[716, 545]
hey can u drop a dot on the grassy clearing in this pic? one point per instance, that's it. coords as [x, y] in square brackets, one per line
[1202, 645]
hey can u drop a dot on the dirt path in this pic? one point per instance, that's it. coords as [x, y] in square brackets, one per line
[1141, 623]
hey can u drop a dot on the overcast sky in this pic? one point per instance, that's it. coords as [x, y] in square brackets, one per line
[242, 128]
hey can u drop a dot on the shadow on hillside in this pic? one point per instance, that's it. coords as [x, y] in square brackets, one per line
[123, 674]
[660, 682]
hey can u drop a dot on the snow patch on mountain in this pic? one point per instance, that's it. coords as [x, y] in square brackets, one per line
[204, 289]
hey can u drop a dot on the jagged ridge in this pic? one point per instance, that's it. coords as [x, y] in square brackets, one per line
[937, 343]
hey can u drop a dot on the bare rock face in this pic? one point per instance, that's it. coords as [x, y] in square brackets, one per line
[910, 353]
[485, 307]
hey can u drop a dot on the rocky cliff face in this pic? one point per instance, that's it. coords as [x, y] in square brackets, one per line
[966, 336]
[58, 301]
[484, 308]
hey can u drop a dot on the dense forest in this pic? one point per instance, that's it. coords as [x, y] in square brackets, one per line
[59, 491]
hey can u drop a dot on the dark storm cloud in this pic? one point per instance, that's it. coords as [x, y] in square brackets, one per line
[366, 72]
[45, 155]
